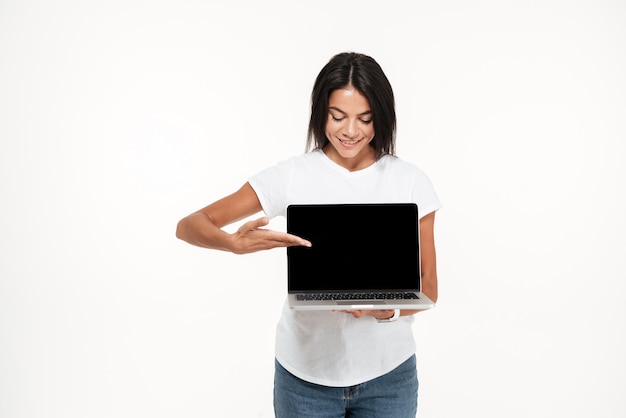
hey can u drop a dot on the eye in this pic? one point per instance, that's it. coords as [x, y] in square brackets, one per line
[366, 121]
[336, 119]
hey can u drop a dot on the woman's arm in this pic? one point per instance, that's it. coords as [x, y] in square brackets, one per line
[204, 227]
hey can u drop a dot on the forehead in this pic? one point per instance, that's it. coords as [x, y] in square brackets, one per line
[349, 100]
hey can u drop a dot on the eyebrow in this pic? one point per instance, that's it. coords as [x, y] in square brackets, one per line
[368, 112]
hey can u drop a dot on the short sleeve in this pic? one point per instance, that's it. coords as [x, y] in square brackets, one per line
[424, 194]
[271, 185]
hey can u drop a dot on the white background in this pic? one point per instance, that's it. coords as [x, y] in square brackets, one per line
[118, 118]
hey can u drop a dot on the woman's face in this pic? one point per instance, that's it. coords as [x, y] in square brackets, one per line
[350, 129]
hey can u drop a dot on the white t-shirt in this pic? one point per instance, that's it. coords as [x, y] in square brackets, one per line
[333, 348]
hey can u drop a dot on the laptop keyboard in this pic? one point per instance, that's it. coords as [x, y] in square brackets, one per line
[356, 296]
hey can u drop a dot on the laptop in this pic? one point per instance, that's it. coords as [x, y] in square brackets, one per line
[363, 256]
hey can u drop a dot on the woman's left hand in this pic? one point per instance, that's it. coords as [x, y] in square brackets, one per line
[376, 313]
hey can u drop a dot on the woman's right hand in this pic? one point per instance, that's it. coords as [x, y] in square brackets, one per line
[204, 227]
[252, 237]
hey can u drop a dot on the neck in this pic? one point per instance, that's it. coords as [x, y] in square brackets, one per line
[359, 162]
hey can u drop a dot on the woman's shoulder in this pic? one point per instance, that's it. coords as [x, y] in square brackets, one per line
[300, 160]
[399, 168]
[397, 163]
[287, 165]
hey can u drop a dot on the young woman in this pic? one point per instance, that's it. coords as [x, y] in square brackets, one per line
[347, 363]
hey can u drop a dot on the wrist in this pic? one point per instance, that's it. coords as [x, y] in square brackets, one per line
[393, 318]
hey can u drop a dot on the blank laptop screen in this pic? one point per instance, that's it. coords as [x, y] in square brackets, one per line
[355, 247]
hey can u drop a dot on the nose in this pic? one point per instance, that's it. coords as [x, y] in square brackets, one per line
[350, 129]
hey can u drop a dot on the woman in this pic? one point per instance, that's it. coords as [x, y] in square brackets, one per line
[331, 364]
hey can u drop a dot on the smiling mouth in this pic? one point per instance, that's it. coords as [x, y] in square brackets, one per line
[348, 142]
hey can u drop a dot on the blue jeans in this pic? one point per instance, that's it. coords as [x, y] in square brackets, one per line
[391, 395]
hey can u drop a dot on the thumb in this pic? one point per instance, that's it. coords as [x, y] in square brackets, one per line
[261, 222]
